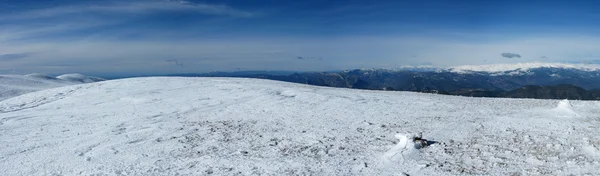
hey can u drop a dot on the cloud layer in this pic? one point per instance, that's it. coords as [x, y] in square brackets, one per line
[126, 6]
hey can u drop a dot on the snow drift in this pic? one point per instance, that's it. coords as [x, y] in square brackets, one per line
[229, 126]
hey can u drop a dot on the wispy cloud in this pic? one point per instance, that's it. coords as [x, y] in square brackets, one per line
[90, 19]
[135, 6]
[15, 56]
[24, 31]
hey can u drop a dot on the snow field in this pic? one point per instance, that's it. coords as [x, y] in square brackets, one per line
[229, 126]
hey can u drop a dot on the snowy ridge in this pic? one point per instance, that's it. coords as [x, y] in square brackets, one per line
[232, 126]
[79, 78]
[15, 85]
[41, 76]
[521, 67]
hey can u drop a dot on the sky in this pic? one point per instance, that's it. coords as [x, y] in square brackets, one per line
[141, 37]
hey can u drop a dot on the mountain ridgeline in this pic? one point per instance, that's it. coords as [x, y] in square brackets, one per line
[539, 83]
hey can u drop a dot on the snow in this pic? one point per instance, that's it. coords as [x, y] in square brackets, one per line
[14, 85]
[79, 78]
[404, 145]
[519, 68]
[565, 108]
[234, 126]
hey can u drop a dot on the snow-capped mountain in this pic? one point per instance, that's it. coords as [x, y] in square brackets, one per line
[14, 85]
[521, 68]
[494, 69]
[232, 126]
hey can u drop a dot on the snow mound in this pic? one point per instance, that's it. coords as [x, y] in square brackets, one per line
[288, 93]
[565, 107]
[79, 78]
[405, 145]
[232, 126]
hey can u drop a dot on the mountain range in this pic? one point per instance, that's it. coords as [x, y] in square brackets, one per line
[525, 80]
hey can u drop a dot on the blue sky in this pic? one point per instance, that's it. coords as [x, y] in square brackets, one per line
[128, 37]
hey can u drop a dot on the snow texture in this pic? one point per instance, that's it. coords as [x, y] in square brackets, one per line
[233, 126]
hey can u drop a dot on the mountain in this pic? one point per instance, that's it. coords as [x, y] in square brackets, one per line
[521, 68]
[240, 126]
[483, 80]
[563, 91]
[14, 85]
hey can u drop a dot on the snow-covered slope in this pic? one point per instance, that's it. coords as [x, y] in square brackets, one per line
[14, 85]
[229, 126]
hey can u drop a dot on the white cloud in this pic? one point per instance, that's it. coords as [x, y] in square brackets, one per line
[132, 6]
[15, 32]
